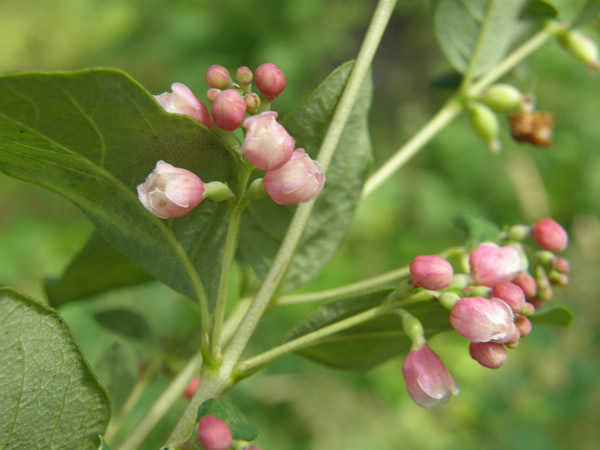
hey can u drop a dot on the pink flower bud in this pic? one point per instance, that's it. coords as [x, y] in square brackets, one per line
[527, 283]
[513, 342]
[482, 320]
[298, 180]
[269, 80]
[550, 235]
[523, 324]
[228, 109]
[213, 433]
[183, 101]
[561, 265]
[191, 388]
[211, 94]
[218, 77]
[252, 102]
[528, 309]
[491, 264]
[243, 75]
[427, 380]
[488, 354]
[431, 272]
[170, 192]
[267, 144]
[512, 295]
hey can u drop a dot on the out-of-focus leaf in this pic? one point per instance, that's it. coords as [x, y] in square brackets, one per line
[125, 322]
[49, 397]
[236, 420]
[475, 228]
[559, 316]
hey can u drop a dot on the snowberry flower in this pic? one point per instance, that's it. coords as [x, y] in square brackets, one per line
[213, 433]
[269, 80]
[482, 320]
[550, 235]
[243, 75]
[431, 272]
[267, 144]
[191, 388]
[228, 109]
[527, 283]
[298, 180]
[427, 380]
[489, 354]
[491, 264]
[183, 101]
[218, 77]
[524, 325]
[511, 294]
[170, 192]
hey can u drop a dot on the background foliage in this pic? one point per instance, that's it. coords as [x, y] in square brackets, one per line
[545, 396]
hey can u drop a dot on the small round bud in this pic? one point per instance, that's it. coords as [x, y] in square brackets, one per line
[459, 281]
[228, 110]
[519, 232]
[528, 309]
[524, 325]
[502, 97]
[252, 102]
[448, 299]
[549, 235]
[218, 77]
[267, 144]
[269, 80]
[561, 264]
[581, 47]
[191, 388]
[211, 94]
[183, 101]
[489, 354]
[558, 279]
[243, 75]
[527, 283]
[213, 433]
[431, 272]
[486, 124]
[512, 294]
[257, 189]
[217, 191]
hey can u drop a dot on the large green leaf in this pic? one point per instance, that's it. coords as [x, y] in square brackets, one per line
[236, 420]
[365, 346]
[476, 33]
[264, 223]
[93, 136]
[49, 397]
[554, 315]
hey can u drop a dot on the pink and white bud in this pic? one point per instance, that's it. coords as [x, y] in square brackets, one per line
[513, 342]
[427, 380]
[228, 109]
[527, 283]
[431, 272]
[269, 80]
[211, 94]
[218, 77]
[491, 264]
[561, 265]
[549, 235]
[482, 320]
[511, 294]
[298, 180]
[191, 388]
[524, 325]
[214, 434]
[252, 101]
[489, 354]
[243, 75]
[183, 101]
[267, 144]
[170, 192]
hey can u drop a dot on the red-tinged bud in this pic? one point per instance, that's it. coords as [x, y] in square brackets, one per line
[212, 93]
[243, 75]
[183, 101]
[431, 272]
[218, 77]
[524, 325]
[512, 295]
[488, 354]
[561, 265]
[213, 433]
[267, 144]
[528, 309]
[491, 264]
[269, 80]
[558, 279]
[299, 180]
[228, 110]
[191, 388]
[482, 320]
[536, 303]
[427, 380]
[170, 192]
[252, 101]
[527, 283]
[550, 235]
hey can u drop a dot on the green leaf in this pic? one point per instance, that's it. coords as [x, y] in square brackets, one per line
[558, 315]
[103, 444]
[125, 322]
[367, 345]
[93, 136]
[49, 398]
[475, 228]
[236, 420]
[97, 268]
[475, 34]
[265, 223]
[117, 370]
[563, 9]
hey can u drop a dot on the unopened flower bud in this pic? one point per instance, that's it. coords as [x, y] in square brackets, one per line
[217, 191]
[218, 77]
[581, 47]
[213, 433]
[524, 325]
[486, 124]
[448, 299]
[528, 309]
[267, 144]
[459, 281]
[243, 75]
[513, 342]
[527, 283]
[257, 189]
[269, 80]
[191, 388]
[558, 279]
[489, 354]
[183, 101]
[298, 180]
[228, 110]
[549, 235]
[561, 264]
[431, 272]
[519, 232]
[502, 97]
[482, 320]
[170, 192]
[478, 291]
[511, 294]
[491, 264]
[211, 94]
[427, 380]
[252, 101]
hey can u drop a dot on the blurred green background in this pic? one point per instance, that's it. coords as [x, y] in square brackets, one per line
[546, 396]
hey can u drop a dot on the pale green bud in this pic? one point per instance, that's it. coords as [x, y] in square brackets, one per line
[257, 189]
[486, 124]
[217, 191]
[581, 47]
[502, 97]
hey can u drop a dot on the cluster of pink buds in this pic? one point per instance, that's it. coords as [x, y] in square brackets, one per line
[214, 434]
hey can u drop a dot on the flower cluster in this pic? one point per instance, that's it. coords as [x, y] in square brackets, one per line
[490, 304]
[214, 434]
